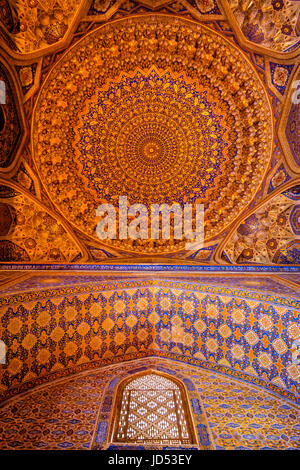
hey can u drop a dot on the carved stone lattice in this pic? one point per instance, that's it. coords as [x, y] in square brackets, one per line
[152, 411]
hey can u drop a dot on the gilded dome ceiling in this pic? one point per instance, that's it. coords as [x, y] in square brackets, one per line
[157, 109]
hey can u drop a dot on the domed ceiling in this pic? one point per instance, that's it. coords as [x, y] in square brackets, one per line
[160, 102]
[159, 110]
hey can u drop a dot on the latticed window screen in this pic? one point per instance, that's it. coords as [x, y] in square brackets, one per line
[152, 412]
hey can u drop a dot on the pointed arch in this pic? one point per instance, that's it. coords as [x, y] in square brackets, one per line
[152, 408]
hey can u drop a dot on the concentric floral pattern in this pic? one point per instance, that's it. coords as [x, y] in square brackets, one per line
[170, 101]
[152, 138]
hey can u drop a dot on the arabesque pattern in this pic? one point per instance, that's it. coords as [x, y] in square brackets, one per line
[250, 338]
[197, 96]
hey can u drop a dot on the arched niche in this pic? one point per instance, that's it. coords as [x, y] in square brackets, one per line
[109, 413]
[152, 408]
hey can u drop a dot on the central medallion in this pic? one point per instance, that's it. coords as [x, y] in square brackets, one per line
[146, 144]
[151, 149]
[161, 135]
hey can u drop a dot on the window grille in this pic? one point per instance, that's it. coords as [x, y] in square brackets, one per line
[152, 411]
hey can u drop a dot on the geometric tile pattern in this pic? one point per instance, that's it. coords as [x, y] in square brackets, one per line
[55, 336]
[63, 415]
[241, 418]
[58, 417]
